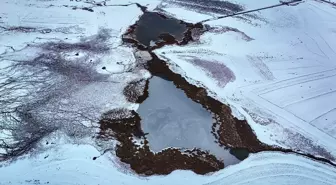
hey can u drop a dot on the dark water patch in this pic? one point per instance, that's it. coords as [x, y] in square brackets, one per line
[171, 119]
[240, 153]
[152, 25]
[154, 30]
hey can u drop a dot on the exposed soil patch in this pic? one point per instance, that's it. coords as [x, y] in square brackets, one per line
[124, 126]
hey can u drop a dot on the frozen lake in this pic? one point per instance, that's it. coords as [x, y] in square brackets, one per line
[174, 120]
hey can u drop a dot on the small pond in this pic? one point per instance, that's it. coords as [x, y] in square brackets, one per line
[151, 26]
[171, 119]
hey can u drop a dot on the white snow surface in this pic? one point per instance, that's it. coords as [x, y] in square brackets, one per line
[284, 67]
[72, 164]
[62, 67]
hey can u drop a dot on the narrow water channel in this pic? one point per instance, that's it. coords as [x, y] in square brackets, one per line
[171, 119]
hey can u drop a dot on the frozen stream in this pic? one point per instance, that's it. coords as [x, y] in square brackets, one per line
[174, 120]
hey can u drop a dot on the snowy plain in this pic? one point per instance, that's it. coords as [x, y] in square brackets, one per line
[283, 63]
[72, 164]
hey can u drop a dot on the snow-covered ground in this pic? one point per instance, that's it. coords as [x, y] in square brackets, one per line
[72, 165]
[62, 66]
[283, 61]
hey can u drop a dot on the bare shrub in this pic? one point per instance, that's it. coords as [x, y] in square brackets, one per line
[215, 69]
[25, 133]
[34, 92]
[134, 90]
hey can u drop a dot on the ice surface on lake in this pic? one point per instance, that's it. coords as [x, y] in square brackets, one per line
[174, 120]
